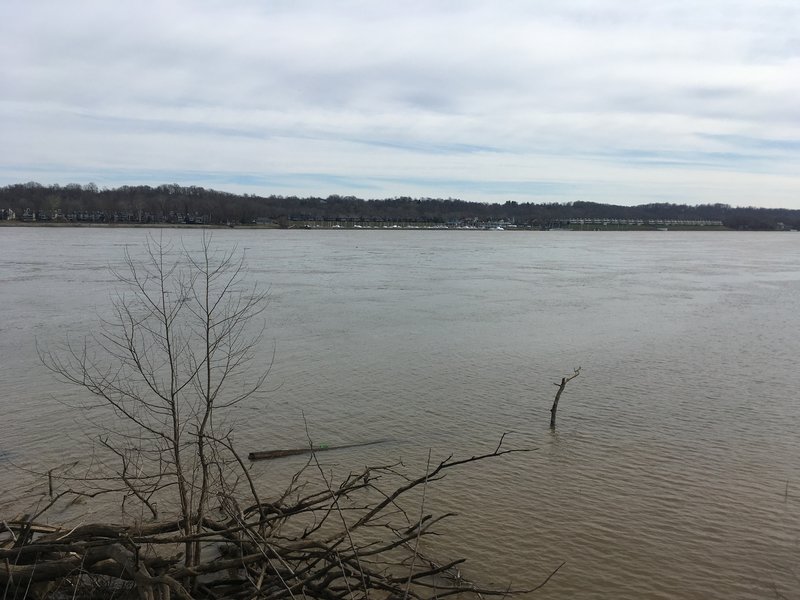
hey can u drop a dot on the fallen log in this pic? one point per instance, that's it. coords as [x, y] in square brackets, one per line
[272, 454]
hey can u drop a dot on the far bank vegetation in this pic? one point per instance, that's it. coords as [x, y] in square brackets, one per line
[192, 205]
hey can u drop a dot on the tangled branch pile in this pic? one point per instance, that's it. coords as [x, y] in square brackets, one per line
[333, 543]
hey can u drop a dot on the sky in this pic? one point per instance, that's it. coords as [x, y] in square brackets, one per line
[607, 101]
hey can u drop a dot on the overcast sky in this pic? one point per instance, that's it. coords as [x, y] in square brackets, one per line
[555, 100]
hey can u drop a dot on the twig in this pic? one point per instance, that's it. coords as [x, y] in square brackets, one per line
[419, 528]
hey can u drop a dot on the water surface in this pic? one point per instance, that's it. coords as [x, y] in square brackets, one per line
[673, 472]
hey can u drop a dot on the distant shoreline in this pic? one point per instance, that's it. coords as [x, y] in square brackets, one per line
[134, 225]
[350, 227]
[172, 204]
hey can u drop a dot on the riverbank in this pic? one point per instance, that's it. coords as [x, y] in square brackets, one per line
[316, 225]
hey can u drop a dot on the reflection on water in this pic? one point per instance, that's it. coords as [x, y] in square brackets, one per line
[672, 474]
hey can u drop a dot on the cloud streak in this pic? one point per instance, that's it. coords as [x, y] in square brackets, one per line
[600, 100]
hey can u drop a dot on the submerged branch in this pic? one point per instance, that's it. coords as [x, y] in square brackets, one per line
[272, 454]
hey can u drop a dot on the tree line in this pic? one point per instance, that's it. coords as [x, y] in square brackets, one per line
[172, 203]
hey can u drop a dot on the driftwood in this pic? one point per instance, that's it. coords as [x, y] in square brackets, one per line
[351, 540]
[271, 454]
[561, 386]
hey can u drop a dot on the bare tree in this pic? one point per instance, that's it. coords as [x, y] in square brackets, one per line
[180, 350]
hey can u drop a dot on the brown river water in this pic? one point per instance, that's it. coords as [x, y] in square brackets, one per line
[674, 470]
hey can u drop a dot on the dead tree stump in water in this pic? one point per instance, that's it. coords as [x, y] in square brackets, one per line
[561, 386]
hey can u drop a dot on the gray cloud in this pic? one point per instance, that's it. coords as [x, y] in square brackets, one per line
[486, 101]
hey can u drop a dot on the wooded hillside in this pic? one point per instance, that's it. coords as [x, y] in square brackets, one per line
[196, 205]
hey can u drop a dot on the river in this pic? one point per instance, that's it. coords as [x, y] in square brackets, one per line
[673, 472]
